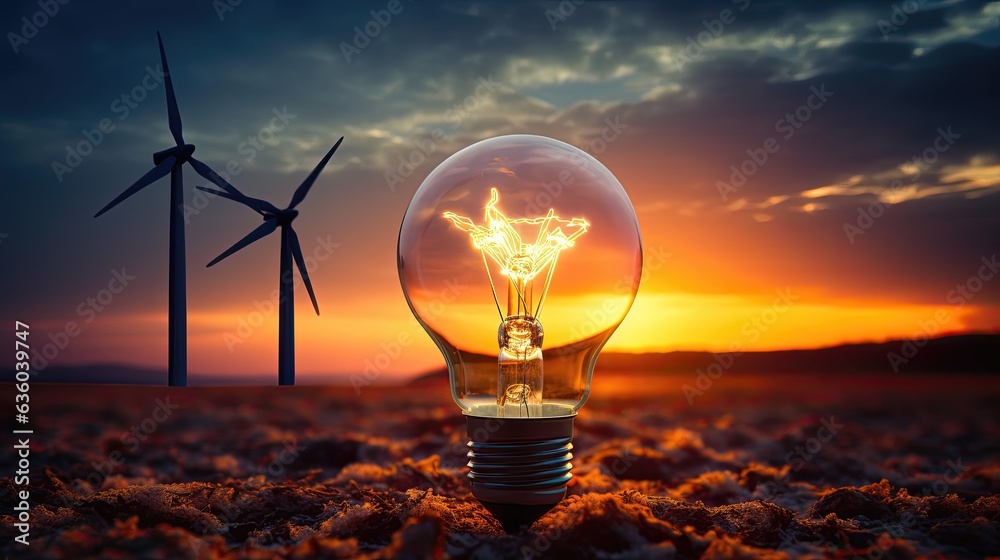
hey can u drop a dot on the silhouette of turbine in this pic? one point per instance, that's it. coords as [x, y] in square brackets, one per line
[171, 161]
[290, 249]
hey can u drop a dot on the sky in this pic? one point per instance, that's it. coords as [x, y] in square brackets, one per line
[804, 174]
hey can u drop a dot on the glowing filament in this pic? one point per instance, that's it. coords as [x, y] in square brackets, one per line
[521, 262]
[520, 378]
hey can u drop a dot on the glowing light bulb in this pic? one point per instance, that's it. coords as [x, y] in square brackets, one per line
[520, 255]
[519, 372]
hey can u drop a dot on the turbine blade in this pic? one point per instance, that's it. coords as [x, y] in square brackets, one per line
[303, 190]
[217, 192]
[262, 231]
[152, 175]
[293, 242]
[173, 115]
[261, 206]
[207, 172]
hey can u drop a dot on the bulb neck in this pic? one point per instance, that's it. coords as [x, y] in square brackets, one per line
[520, 375]
[520, 335]
[519, 467]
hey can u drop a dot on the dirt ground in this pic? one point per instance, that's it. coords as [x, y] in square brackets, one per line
[755, 466]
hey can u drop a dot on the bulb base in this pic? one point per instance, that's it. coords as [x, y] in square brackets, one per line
[519, 467]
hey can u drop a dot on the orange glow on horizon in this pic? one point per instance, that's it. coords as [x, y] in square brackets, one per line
[665, 321]
[704, 287]
[228, 343]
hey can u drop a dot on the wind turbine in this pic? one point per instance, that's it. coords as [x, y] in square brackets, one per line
[171, 161]
[290, 249]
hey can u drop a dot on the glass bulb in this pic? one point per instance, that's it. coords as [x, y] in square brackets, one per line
[520, 255]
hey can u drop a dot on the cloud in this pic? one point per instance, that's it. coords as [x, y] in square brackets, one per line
[691, 98]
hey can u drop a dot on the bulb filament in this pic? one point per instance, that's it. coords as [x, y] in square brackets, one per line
[520, 379]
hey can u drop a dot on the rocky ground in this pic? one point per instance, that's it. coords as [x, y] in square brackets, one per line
[756, 466]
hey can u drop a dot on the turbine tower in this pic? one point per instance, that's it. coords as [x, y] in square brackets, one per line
[290, 249]
[171, 161]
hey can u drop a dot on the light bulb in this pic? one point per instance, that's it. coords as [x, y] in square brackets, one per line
[520, 255]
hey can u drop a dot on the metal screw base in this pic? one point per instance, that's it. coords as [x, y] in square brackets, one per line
[519, 467]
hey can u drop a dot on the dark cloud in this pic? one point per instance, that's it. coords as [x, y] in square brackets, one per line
[690, 117]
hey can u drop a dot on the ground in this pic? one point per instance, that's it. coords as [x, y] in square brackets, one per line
[753, 466]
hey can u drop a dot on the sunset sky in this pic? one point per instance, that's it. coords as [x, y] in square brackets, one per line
[876, 207]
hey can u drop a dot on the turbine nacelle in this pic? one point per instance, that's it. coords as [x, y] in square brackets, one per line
[181, 153]
[274, 217]
[283, 217]
[169, 162]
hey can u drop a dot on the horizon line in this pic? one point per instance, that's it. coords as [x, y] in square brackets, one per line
[345, 376]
